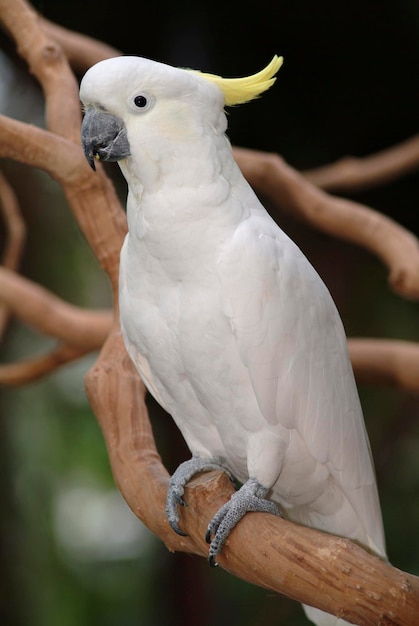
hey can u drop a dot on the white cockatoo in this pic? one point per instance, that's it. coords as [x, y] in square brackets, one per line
[228, 324]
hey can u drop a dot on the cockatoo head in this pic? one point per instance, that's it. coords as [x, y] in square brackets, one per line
[131, 100]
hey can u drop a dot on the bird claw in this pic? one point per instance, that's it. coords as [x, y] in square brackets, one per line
[179, 500]
[250, 497]
[177, 483]
[176, 499]
[176, 528]
[173, 501]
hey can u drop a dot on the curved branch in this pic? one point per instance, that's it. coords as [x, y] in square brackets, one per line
[330, 573]
[51, 316]
[386, 362]
[358, 174]
[15, 226]
[29, 370]
[96, 203]
[15, 236]
[48, 63]
[91, 195]
[394, 245]
[40, 148]
[81, 51]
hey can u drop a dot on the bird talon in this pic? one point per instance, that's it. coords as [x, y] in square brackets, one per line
[177, 483]
[177, 530]
[180, 500]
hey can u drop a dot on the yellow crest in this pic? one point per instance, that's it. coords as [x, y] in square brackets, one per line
[240, 90]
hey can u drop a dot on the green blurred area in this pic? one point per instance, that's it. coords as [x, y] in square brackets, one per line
[71, 553]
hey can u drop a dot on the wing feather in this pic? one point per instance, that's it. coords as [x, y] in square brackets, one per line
[291, 339]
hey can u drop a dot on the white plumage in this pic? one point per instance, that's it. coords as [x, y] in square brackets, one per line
[228, 324]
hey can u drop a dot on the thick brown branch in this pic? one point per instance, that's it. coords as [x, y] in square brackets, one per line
[289, 190]
[91, 195]
[357, 174]
[50, 315]
[96, 203]
[40, 148]
[48, 63]
[312, 567]
[30, 370]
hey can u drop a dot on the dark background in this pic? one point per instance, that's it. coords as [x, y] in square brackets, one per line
[349, 86]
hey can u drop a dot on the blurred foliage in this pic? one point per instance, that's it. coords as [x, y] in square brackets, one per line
[69, 550]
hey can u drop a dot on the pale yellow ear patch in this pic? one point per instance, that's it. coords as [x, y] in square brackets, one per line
[240, 90]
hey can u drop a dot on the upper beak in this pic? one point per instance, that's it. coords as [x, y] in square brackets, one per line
[103, 136]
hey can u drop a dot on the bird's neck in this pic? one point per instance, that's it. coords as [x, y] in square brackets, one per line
[182, 216]
[187, 185]
[168, 163]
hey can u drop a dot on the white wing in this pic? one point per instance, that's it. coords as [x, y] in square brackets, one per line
[292, 341]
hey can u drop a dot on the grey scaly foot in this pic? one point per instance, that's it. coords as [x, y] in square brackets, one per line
[250, 497]
[180, 477]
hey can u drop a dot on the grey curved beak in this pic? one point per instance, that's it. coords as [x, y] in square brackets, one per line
[103, 136]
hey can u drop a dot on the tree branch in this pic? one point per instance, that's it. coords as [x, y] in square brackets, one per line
[48, 63]
[78, 330]
[90, 195]
[15, 236]
[389, 363]
[50, 315]
[358, 174]
[39, 148]
[312, 567]
[289, 190]
[15, 226]
[82, 52]
[29, 370]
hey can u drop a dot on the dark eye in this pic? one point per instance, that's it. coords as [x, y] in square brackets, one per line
[140, 101]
